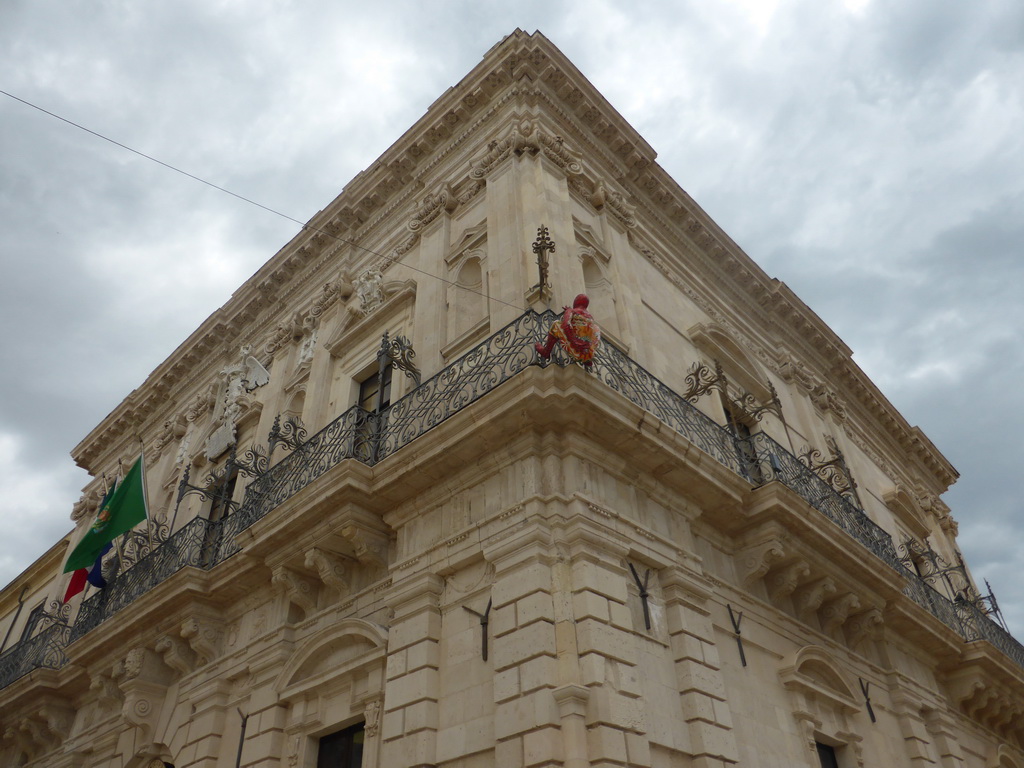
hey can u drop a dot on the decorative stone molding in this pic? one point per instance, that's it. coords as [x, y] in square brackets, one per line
[297, 588]
[432, 206]
[835, 612]
[370, 545]
[333, 569]
[525, 137]
[785, 580]
[808, 598]
[203, 636]
[757, 560]
[371, 718]
[614, 201]
[863, 626]
[176, 654]
[105, 689]
[369, 289]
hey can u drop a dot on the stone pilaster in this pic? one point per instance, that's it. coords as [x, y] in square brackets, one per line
[942, 730]
[410, 722]
[701, 683]
[526, 655]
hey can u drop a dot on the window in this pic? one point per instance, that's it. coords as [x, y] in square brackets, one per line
[224, 490]
[740, 426]
[826, 755]
[34, 617]
[373, 396]
[343, 749]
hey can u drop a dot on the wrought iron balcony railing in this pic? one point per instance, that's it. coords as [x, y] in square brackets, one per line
[371, 437]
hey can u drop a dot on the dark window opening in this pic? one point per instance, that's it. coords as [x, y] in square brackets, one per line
[373, 396]
[220, 506]
[343, 749]
[826, 755]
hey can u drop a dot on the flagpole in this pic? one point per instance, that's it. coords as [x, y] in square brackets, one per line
[120, 544]
[106, 490]
[145, 493]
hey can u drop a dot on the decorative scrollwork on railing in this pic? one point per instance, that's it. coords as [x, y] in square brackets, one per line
[748, 404]
[485, 367]
[399, 352]
[833, 470]
[56, 613]
[701, 380]
[290, 435]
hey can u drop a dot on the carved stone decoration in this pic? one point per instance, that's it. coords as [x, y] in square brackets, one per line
[525, 137]
[372, 718]
[758, 559]
[239, 378]
[371, 546]
[369, 290]
[173, 429]
[58, 720]
[836, 611]
[143, 680]
[203, 637]
[333, 569]
[35, 737]
[443, 200]
[785, 580]
[86, 505]
[176, 653]
[615, 202]
[306, 350]
[299, 589]
[808, 598]
[106, 690]
[863, 626]
[22, 740]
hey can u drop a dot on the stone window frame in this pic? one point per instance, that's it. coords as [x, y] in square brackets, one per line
[810, 694]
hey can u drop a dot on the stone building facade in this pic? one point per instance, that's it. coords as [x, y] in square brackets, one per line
[386, 533]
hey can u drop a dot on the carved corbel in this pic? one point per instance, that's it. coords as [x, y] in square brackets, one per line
[370, 545]
[35, 736]
[809, 598]
[176, 654]
[203, 637]
[784, 581]
[333, 569]
[853, 741]
[58, 719]
[21, 739]
[863, 626]
[143, 679]
[106, 690]
[757, 560]
[835, 612]
[299, 589]
[371, 715]
[808, 725]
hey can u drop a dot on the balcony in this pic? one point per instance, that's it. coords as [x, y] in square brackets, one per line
[372, 437]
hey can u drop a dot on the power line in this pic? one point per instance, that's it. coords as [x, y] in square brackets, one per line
[303, 225]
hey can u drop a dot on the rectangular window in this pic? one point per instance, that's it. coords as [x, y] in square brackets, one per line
[34, 617]
[826, 756]
[373, 396]
[343, 749]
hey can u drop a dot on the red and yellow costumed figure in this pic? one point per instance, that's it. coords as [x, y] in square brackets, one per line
[575, 331]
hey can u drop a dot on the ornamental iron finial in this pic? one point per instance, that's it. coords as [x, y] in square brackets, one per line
[542, 246]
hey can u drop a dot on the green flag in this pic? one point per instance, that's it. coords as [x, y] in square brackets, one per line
[125, 509]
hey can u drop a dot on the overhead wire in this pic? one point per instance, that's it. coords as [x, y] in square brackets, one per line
[303, 225]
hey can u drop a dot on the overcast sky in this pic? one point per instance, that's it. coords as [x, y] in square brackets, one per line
[867, 153]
